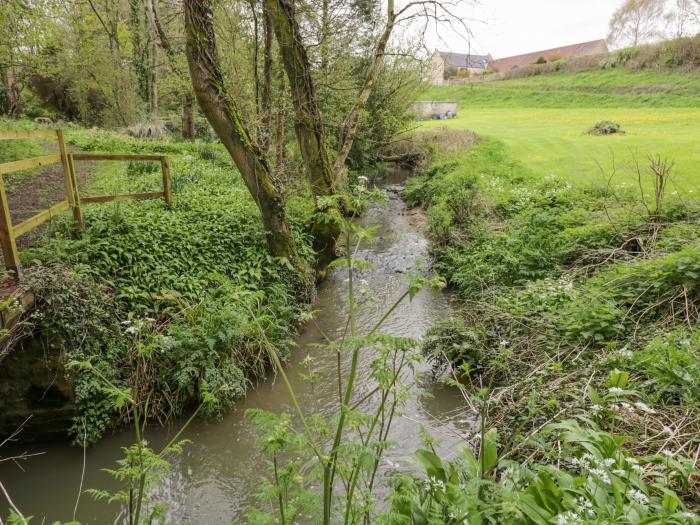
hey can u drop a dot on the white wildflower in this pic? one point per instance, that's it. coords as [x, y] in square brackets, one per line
[131, 330]
[583, 503]
[596, 408]
[626, 354]
[582, 462]
[667, 430]
[619, 472]
[615, 390]
[504, 343]
[126, 322]
[608, 462]
[585, 507]
[601, 474]
[668, 453]
[644, 407]
[568, 518]
[506, 475]
[637, 496]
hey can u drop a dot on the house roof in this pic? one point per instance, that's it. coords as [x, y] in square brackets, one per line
[585, 48]
[466, 60]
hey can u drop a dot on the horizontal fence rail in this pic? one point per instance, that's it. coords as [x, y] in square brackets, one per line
[10, 232]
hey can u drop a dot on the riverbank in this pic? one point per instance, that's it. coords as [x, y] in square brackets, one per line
[578, 323]
[197, 279]
[216, 479]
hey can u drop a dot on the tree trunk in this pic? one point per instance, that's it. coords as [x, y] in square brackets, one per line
[153, 81]
[308, 127]
[188, 116]
[280, 143]
[224, 116]
[266, 117]
[139, 50]
[14, 94]
[325, 31]
[152, 33]
[256, 68]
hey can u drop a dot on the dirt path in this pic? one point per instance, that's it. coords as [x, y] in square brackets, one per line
[29, 194]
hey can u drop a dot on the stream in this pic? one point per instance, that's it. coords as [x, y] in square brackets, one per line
[215, 480]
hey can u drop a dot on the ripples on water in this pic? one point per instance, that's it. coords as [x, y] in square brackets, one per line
[216, 478]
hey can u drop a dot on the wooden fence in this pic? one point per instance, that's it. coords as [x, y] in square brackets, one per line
[74, 201]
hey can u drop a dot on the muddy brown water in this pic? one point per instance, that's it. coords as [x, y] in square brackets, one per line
[215, 480]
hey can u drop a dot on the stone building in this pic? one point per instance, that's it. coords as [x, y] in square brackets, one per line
[446, 64]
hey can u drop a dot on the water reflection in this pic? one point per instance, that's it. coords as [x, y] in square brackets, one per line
[215, 480]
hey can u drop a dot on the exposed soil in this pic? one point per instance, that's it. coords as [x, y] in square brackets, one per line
[31, 193]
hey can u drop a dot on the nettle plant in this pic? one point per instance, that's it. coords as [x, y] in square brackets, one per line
[142, 469]
[324, 470]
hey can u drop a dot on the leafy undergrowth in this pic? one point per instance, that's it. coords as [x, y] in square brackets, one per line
[578, 341]
[197, 277]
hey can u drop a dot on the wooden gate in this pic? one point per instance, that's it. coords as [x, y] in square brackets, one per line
[10, 232]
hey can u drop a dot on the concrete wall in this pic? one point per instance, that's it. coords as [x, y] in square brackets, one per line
[428, 109]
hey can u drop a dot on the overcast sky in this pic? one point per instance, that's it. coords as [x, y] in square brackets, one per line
[512, 27]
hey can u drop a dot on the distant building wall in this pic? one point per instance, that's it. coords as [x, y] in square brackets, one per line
[437, 69]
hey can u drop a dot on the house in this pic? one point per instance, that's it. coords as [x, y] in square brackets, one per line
[596, 47]
[446, 64]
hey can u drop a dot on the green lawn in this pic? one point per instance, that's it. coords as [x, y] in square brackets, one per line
[552, 140]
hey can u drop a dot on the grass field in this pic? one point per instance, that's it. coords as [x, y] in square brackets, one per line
[543, 121]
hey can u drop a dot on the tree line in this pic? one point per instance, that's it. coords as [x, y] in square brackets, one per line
[638, 22]
[284, 84]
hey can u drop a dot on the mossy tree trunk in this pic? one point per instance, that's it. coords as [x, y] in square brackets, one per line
[280, 143]
[14, 93]
[266, 117]
[187, 123]
[223, 115]
[308, 126]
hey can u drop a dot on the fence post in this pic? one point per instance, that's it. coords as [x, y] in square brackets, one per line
[68, 180]
[167, 181]
[7, 236]
[77, 210]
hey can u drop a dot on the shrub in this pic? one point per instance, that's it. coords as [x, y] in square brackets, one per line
[606, 127]
[671, 368]
[151, 131]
